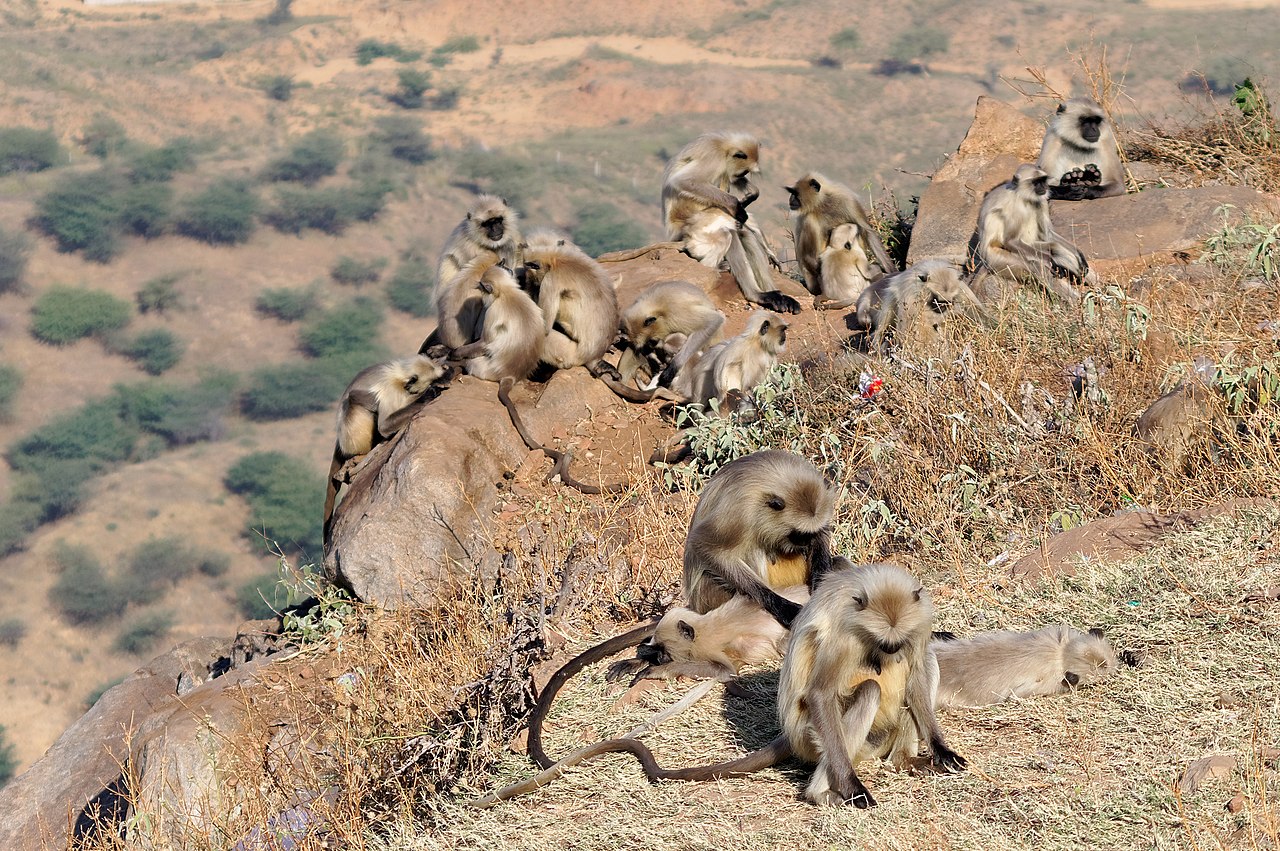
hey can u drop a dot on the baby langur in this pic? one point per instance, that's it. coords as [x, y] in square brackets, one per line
[731, 370]
[821, 206]
[504, 339]
[995, 666]
[844, 270]
[717, 644]
[490, 225]
[1016, 238]
[706, 190]
[376, 405]
[913, 304]
[579, 306]
[1080, 153]
[668, 325]
[859, 680]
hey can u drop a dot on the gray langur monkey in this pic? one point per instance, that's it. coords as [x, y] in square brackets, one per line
[859, 681]
[913, 303]
[820, 206]
[489, 225]
[706, 190]
[995, 666]
[377, 403]
[668, 325]
[844, 269]
[729, 371]
[1080, 153]
[578, 302]
[1016, 237]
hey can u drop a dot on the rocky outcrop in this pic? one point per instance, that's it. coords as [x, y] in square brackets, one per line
[417, 517]
[1151, 222]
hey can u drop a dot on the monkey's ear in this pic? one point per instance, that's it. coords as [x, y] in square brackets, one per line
[859, 601]
[468, 216]
[764, 327]
[686, 631]
[924, 276]
[1062, 107]
[1096, 633]
[1071, 679]
[560, 242]
[917, 593]
[486, 287]
[815, 185]
[504, 203]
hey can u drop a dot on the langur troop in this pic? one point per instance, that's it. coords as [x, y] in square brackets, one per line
[863, 671]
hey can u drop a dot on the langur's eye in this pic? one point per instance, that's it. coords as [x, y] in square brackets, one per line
[776, 503]
[739, 155]
[650, 320]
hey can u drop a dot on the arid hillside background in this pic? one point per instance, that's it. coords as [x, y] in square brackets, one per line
[569, 112]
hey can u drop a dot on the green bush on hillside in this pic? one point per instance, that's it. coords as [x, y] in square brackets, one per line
[181, 413]
[156, 351]
[66, 314]
[355, 272]
[103, 136]
[285, 497]
[919, 43]
[371, 49]
[10, 383]
[223, 214]
[261, 598]
[55, 491]
[602, 227]
[145, 209]
[155, 565]
[15, 248]
[82, 213]
[413, 84]
[402, 137]
[94, 433]
[279, 87]
[344, 330]
[8, 762]
[83, 592]
[288, 304]
[316, 155]
[159, 294]
[411, 288]
[142, 633]
[327, 210]
[12, 631]
[290, 390]
[28, 149]
[159, 164]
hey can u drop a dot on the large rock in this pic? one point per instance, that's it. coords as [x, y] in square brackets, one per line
[415, 521]
[84, 765]
[1152, 222]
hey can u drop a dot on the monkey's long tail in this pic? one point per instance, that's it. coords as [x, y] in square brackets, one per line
[587, 657]
[330, 497]
[560, 459]
[620, 256]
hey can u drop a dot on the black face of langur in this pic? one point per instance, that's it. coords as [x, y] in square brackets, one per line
[1090, 125]
[794, 201]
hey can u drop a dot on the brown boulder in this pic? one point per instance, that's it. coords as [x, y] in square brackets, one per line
[1154, 221]
[38, 807]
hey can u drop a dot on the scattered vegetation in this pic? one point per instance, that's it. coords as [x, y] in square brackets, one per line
[411, 288]
[8, 762]
[159, 164]
[316, 155]
[12, 631]
[142, 633]
[846, 40]
[295, 389]
[347, 329]
[330, 209]
[146, 209]
[261, 598]
[401, 137]
[159, 294]
[25, 149]
[371, 49]
[103, 136]
[155, 565]
[285, 497]
[178, 413]
[10, 384]
[83, 592]
[15, 248]
[601, 227]
[66, 314]
[288, 304]
[413, 85]
[156, 351]
[223, 214]
[355, 272]
[279, 87]
[82, 213]
[1219, 77]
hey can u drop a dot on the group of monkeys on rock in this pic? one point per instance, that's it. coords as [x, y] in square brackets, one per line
[862, 668]
[508, 305]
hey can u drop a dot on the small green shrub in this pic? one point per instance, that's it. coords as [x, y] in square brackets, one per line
[346, 329]
[355, 272]
[15, 248]
[402, 137]
[223, 214]
[848, 39]
[103, 136]
[154, 566]
[214, 564]
[294, 389]
[18, 519]
[55, 491]
[160, 294]
[92, 697]
[279, 87]
[288, 304]
[94, 432]
[146, 208]
[66, 314]
[83, 592]
[919, 43]
[602, 227]
[371, 49]
[316, 155]
[410, 288]
[180, 414]
[160, 164]
[156, 351]
[143, 632]
[513, 178]
[364, 201]
[10, 383]
[413, 84]
[300, 209]
[28, 149]
[459, 44]
[261, 598]
[8, 762]
[281, 13]
[284, 496]
[12, 631]
[82, 213]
